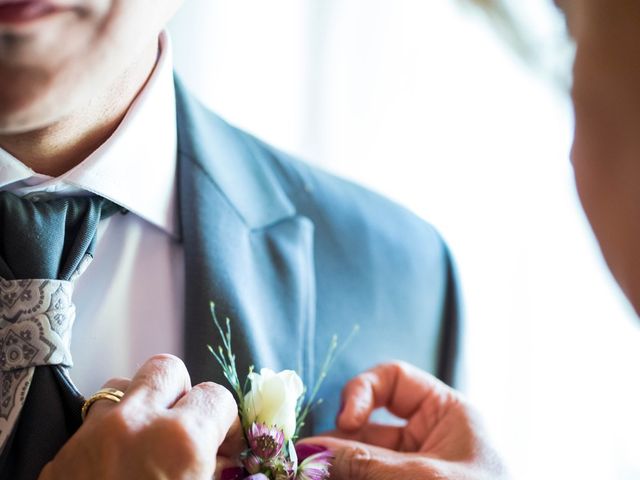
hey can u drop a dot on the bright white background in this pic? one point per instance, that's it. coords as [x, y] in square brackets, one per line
[420, 100]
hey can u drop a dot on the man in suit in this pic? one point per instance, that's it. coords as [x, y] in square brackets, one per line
[89, 107]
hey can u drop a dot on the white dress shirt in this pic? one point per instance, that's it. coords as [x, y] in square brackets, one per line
[130, 299]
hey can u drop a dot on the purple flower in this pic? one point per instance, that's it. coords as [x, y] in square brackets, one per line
[265, 442]
[233, 473]
[315, 461]
[252, 463]
[257, 476]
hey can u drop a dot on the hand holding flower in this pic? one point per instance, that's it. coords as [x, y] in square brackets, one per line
[442, 438]
[163, 428]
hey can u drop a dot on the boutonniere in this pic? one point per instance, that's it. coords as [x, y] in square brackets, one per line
[273, 407]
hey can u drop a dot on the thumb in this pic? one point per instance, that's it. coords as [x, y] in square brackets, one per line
[359, 461]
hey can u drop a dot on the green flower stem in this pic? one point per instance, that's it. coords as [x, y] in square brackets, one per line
[227, 360]
[305, 406]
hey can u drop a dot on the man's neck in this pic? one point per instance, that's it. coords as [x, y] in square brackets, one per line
[57, 148]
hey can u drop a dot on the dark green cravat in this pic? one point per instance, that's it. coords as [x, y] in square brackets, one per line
[44, 245]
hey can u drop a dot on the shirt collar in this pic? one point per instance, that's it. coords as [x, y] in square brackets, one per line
[135, 167]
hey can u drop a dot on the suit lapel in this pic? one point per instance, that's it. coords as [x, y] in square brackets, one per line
[245, 248]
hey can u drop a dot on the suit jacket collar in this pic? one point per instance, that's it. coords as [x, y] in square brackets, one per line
[235, 165]
[246, 249]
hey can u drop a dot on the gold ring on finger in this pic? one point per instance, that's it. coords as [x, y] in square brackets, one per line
[112, 394]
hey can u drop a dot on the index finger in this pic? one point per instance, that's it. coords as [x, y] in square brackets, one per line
[398, 386]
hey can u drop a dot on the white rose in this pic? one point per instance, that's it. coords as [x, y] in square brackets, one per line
[273, 399]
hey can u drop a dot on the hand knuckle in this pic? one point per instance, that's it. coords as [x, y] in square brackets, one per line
[168, 361]
[401, 366]
[218, 394]
[359, 460]
[366, 378]
[162, 370]
[210, 388]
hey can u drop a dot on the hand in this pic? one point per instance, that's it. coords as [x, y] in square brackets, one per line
[442, 438]
[162, 429]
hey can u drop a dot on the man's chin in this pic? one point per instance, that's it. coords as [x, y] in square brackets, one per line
[26, 108]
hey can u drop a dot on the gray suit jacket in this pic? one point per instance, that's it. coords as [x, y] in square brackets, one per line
[293, 255]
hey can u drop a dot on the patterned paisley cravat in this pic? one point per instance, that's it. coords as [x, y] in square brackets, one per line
[45, 244]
